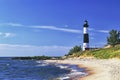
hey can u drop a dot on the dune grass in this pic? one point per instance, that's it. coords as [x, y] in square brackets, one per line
[104, 53]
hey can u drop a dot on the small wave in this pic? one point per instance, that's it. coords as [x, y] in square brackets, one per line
[72, 76]
[7, 64]
[73, 70]
[43, 64]
[64, 78]
[63, 67]
[77, 74]
[40, 61]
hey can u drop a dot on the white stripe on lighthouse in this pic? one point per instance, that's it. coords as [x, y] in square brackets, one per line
[85, 45]
[85, 30]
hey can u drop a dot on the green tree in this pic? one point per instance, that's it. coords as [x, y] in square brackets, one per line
[119, 36]
[113, 39]
[74, 50]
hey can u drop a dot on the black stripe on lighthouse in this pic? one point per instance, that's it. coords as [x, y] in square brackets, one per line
[86, 38]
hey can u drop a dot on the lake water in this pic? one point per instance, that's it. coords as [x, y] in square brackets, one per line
[37, 70]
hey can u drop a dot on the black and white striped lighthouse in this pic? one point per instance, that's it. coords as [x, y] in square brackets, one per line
[86, 36]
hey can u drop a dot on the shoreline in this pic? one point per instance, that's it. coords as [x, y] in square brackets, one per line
[97, 69]
[88, 70]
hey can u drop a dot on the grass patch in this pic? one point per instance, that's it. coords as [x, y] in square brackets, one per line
[105, 53]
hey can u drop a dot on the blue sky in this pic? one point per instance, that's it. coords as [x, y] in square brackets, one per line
[52, 27]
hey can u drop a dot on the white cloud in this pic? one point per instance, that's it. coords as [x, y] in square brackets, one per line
[58, 29]
[42, 27]
[91, 29]
[11, 24]
[29, 50]
[6, 35]
[1, 33]
[15, 24]
[9, 35]
[103, 31]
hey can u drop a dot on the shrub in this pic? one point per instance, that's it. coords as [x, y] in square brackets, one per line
[75, 49]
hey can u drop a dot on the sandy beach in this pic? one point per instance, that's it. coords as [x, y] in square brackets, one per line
[98, 69]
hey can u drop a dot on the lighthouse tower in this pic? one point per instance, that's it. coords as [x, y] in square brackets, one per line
[86, 36]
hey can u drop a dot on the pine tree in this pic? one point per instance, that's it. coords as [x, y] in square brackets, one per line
[113, 39]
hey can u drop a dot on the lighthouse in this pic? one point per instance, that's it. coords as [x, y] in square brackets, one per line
[85, 36]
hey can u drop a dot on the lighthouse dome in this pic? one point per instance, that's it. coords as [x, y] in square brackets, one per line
[85, 23]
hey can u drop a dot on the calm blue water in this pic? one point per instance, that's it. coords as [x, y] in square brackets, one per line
[33, 70]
